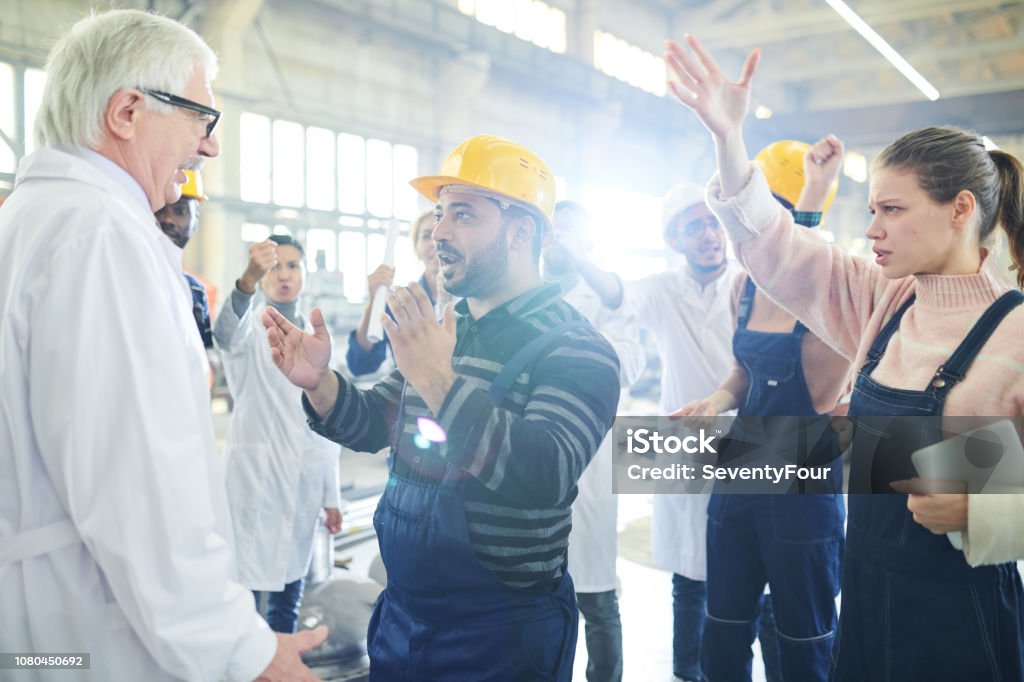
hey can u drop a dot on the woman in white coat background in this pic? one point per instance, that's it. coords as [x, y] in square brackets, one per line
[280, 473]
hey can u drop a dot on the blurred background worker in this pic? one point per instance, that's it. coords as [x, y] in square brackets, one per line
[179, 220]
[687, 311]
[280, 474]
[365, 356]
[593, 542]
[791, 542]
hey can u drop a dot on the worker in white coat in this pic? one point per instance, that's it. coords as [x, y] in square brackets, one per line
[114, 534]
[280, 474]
[689, 313]
[593, 541]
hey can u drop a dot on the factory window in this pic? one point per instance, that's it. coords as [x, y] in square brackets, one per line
[619, 59]
[288, 170]
[379, 185]
[35, 81]
[24, 85]
[320, 169]
[405, 169]
[285, 163]
[254, 157]
[530, 20]
[365, 180]
[254, 232]
[351, 174]
[7, 157]
[352, 261]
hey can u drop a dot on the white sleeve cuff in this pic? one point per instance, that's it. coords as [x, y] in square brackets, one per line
[253, 654]
[746, 214]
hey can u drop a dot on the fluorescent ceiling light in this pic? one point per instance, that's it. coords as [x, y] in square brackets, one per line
[855, 166]
[878, 42]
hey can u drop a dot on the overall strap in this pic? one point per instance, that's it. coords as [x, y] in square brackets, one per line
[518, 362]
[951, 373]
[746, 305]
[881, 341]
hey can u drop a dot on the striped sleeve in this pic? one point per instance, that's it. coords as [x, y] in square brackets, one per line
[536, 458]
[360, 419]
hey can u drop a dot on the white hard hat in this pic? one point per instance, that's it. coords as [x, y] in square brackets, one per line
[678, 199]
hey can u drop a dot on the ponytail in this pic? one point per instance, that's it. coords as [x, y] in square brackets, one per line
[1010, 212]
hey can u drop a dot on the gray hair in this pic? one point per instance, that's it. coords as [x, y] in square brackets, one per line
[108, 52]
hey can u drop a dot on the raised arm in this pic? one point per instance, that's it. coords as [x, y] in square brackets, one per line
[835, 293]
[229, 330]
[606, 284]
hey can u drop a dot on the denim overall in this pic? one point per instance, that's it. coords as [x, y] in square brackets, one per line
[443, 615]
[791, 541]
[912, 607]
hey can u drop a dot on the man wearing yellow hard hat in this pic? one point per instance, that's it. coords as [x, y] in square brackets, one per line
[179, 221]
[491, 417]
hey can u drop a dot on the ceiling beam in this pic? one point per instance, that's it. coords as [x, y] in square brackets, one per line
[877, 125]
[873, 62]
[777, 27]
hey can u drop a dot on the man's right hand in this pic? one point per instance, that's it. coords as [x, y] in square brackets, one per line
[287, 666]
[302, 357]
[383, 276]
[262, 257]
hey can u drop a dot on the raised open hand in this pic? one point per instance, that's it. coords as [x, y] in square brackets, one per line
[720, 103]
[302, 357]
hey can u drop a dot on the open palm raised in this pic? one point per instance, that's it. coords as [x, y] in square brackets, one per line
[720, 104]
[301, 356]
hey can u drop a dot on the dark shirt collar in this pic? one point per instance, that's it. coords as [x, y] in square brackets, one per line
[522, 305]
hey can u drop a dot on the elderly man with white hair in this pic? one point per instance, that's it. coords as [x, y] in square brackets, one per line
[114, 535]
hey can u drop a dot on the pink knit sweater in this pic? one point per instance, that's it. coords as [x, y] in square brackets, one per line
[846, 300]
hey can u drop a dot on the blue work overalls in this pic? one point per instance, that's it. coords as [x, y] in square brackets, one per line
[912, 607]
[444, 616]
[791, 541]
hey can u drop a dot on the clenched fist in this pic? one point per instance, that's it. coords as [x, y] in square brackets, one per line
[262, 257]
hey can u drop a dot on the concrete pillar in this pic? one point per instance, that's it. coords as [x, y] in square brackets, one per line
[218, 253]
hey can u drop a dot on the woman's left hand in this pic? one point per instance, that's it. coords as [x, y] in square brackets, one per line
[939, 506]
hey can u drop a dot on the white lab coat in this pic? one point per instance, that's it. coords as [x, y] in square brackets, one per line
[692, 329]
[280, 473]
[593, 540]
[114, 532]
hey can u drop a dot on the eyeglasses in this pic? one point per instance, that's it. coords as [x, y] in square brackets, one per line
[176, 101]
[696, 228]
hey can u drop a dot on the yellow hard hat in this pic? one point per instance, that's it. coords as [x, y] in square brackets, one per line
[783, 165]
[193, 187]
[498, 166]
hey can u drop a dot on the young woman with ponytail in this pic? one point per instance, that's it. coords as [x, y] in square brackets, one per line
[934, 335]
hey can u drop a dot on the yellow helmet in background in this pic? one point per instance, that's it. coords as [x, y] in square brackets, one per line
[497, 166]
[193, 187]
[783, 165]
